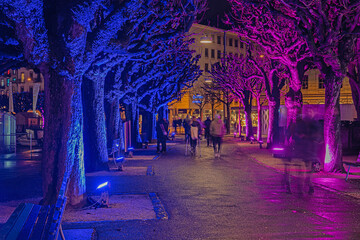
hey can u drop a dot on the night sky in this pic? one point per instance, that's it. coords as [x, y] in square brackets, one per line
[215, 13]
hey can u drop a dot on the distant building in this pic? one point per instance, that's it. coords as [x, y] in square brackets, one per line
[22, 79]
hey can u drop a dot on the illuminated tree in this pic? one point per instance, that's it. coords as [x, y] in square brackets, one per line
[63, 39]
[279, 40]
[330, 28]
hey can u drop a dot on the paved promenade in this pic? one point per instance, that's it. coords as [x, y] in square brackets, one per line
[238, 196]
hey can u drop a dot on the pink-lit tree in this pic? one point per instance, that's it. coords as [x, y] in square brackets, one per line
[279, 40]
[330, 28]
[230, 74]
[354, 79]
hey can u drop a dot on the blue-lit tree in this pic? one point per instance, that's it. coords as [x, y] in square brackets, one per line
[63, 39]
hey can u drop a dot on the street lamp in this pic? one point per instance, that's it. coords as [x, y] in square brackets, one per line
[205, 39]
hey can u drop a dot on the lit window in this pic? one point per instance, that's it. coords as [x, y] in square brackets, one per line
[218, 39]
[218, 54]
[14, 79]
[22, 77]
[8, 82]
[305, 82]
[2, 82]
[206, 67]
[14, 72]
[230, 42]
[206, 52]
[321, 83]
[236, 43]
[212, 53]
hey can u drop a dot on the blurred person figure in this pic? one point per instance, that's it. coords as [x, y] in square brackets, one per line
[217, 131]
[207, 124]
[161, 134]
[306, 145]
[186, 125]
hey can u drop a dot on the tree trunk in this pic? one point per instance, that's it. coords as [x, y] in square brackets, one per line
[212, 111]
[247, 100]
[259, 133]
[354, 80]
[95, 142]
[228, 118]
[332, 138]
[135, 135]
[63, 139]
[273, 132]
[293, 102]
[113, 119]
[239, 118]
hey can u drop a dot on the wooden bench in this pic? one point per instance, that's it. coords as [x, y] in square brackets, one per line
[351, 164]
[32, 221]
[252, 140]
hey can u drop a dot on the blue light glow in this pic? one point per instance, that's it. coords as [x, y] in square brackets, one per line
[102, 185]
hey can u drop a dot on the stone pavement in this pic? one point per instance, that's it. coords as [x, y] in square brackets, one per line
[237, 196]
[331, 181]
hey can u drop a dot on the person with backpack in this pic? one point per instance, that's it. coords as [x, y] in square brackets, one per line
[195, 131]
[217, 131]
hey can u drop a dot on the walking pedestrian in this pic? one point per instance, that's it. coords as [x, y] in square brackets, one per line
[194, 134]
[207, 124]
[161, 134]
[186, 124]
[217, 131]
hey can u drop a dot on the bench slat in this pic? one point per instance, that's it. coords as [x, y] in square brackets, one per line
[54, 227]
[48, 222]
[11, 221]
[40, 224]
[29, 225]
[13, 234]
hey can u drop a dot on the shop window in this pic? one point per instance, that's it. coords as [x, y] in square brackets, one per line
[305, 82]
[321, 83]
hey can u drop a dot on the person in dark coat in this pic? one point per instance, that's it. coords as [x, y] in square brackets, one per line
[162, 128]
[207, 124]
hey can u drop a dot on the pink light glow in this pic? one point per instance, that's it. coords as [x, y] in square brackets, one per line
[278, 149]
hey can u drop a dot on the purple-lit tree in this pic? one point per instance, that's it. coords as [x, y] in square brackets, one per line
[330, 29]
[63, 39]
[354, 79]
[279, 40]
[228, 75]
[274, 76]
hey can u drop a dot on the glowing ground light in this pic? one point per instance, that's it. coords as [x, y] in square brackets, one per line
[102, 185]
[278, 149]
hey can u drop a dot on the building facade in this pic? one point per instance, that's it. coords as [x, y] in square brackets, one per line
[22, 80]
